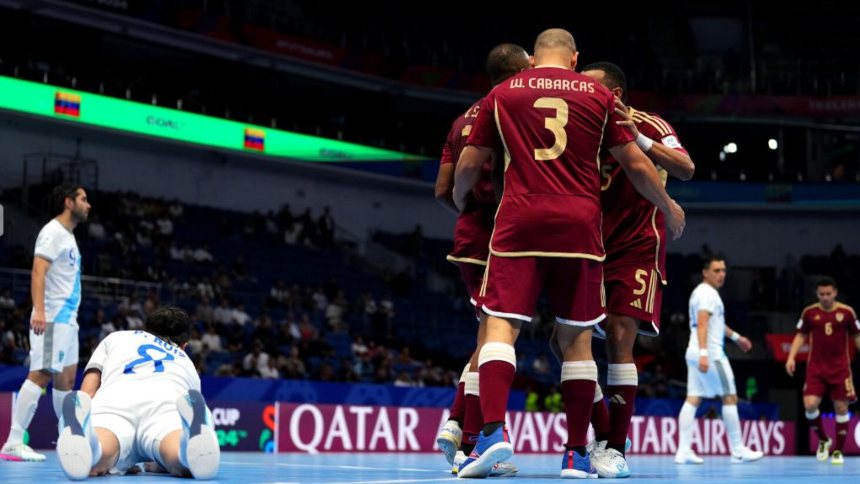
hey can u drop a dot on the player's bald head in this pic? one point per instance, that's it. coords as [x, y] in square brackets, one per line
[505, 60]
[555, 39]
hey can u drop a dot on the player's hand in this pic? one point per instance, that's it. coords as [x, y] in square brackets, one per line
[627, 122]
[38, 322]
[703, 364]
[676, 220]
[745, 344]
[789, 367]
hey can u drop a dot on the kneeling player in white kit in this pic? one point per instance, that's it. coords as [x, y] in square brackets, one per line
[140, 401]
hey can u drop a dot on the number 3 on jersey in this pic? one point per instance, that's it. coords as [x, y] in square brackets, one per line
[556, 125]
[143, 351]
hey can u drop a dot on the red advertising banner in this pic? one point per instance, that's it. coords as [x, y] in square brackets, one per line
[346, 428]
[5, 415]
[852, 440]
[780, 346]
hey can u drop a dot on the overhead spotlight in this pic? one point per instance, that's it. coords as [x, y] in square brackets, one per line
[772, 144]
[722, 156]
[731, 148]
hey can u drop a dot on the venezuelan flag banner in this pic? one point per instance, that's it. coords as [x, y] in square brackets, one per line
[67, 104]
[255, 139]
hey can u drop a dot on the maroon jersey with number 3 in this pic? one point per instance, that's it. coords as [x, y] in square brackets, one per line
[550, 122]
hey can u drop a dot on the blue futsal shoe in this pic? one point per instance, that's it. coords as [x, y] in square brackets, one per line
[575, 466]
[488, 452]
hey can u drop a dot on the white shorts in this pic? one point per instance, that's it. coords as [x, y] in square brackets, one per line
[139, 427]
[719, 381]
[54, 349]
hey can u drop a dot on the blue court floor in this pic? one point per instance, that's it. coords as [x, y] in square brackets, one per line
[249, 468]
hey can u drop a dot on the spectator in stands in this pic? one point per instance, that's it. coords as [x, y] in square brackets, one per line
[256, 362]
[96, 230]
[541, 365]
[6, 300]
[404, 380]
[205, 289]
[204, 311]
[240, 316]
[195, 343]
[203, 255]
[279, 294]
[175, 209]
[553, 401]
[223, 313]
[271, 370]
[212, 339]
[293, 366]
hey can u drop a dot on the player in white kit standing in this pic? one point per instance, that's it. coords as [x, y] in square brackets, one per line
[140, 401]
[709, 373]
[56, 292]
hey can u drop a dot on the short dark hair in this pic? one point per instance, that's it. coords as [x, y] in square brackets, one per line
[169, 323]
[61, 193]
[827, 281]
[614, 76]
[505, 60]
[710, 259]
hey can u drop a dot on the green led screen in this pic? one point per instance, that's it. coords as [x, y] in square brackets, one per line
[96, 110]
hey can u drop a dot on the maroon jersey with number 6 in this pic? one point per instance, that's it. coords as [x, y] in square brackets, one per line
[830, 337]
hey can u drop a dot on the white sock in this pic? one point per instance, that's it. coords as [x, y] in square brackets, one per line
[733, 427]
[23, 411]
[686, 420]
[58, 396]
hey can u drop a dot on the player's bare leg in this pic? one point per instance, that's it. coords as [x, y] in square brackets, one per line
[169, 451]
[110, 451]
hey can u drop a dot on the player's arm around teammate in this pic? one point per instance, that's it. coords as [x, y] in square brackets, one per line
[677, 163]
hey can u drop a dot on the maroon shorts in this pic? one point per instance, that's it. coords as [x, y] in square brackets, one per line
[838, 385]
[574, 288]
[635, 291]
[473, 279]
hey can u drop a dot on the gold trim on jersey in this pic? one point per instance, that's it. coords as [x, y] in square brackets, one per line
[652, 292]
[465, 260]
[538, 253]
[642, 117]
[847, 308]
[483, 291]
[657, 249]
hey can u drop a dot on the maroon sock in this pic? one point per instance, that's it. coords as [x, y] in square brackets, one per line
[495, 387]
[815, 425]
[473, 423]
[578, 401]
[621, 403]
[600, 420]
[458, 408]
[841, 433]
